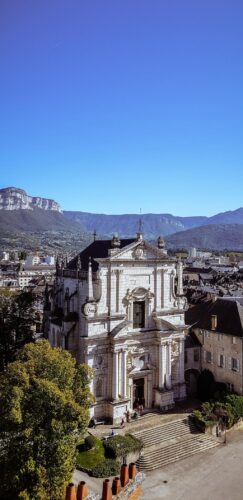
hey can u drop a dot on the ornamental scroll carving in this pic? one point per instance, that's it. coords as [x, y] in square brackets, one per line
[138, 294]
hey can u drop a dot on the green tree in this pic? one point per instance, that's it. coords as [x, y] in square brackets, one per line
[45, 401]
[17, 321]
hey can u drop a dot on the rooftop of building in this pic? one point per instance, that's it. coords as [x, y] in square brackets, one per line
[229, 313]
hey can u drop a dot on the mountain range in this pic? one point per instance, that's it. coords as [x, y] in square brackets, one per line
[20, 212]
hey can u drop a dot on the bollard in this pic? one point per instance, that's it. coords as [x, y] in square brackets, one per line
[132, 470]
[124, 475]
[116, 486]
[106, 493]
[70, 492]
[82, 491]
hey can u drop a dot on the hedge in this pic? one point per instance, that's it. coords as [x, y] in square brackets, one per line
[119, 446]
[106, 468]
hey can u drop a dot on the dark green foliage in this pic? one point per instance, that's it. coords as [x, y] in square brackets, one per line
[17, 321]
[106, 468]
[89, 442]
[120, 446]
[236, 403]
[44, 409]
[204, 385]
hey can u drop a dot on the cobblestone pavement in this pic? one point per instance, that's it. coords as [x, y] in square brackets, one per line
[215, 474]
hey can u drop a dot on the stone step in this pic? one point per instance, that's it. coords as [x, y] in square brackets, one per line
[160, 457]
[163, 432]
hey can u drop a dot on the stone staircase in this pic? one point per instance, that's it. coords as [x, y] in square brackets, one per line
[170, 442]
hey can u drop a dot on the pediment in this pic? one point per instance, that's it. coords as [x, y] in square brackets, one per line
[139, 250]
[121, 329]
[163, 324]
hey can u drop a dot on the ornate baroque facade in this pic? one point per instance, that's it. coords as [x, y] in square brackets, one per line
[115, 308]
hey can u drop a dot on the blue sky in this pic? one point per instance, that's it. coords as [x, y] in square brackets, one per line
[115, 105]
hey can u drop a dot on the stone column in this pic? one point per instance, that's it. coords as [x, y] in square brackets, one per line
[150, 390]
[112, 291]
[162, 293]
[162, 367]
[179, 278]
[124, 374]
[168, 365]
[90, 282]
[155, 289]
[158, 288]
[120, 374]
[115, 376]
[181, 361]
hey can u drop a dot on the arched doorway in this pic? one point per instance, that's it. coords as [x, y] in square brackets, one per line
[138, 392]
[191, 378]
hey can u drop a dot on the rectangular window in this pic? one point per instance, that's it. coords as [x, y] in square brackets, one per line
[208, 356]
[234, 364]
[230, 387]
[221, 361]
[139, 314]
[196, 355]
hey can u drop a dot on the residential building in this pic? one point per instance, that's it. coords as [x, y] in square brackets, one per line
[218, 326]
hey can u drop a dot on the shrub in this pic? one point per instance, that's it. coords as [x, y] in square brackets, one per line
[119, 446]
[106, 468]
[236, 403]
[89, 442]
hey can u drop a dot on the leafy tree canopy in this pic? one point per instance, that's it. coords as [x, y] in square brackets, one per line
[17, 320]
[45, 401]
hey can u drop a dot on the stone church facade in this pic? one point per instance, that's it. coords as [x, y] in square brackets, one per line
[119, 307]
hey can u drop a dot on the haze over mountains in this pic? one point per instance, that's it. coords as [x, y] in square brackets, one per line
[20, 212]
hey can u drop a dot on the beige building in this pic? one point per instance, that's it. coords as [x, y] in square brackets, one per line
[119, 307]
[218, 326]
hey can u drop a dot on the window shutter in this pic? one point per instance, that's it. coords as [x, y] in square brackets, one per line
[229, 363]
[218, 359]
[204, 355]
[224, 361]
[238, 365]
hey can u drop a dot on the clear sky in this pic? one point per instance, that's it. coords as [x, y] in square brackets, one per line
[115, 105]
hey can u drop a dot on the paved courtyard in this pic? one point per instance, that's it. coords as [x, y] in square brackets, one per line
[216, 474]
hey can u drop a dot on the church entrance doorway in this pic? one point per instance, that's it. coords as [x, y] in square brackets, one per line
[138, 393]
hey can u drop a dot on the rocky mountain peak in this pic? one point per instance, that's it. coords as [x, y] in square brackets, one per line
[12, 198]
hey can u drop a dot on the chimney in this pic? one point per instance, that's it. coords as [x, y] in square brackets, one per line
[214, 322]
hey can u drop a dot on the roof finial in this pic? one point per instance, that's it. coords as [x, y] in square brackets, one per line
[140, 226]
